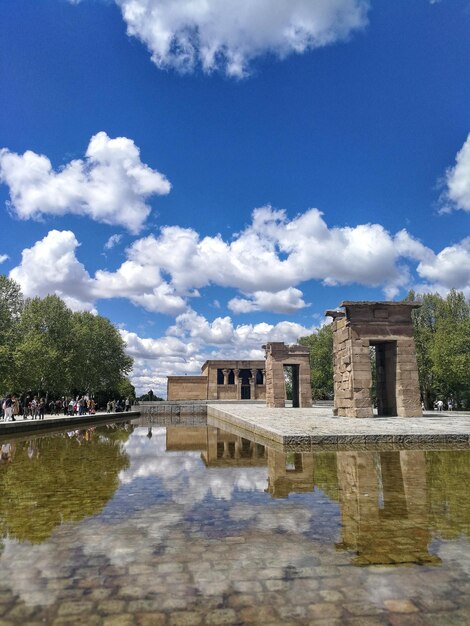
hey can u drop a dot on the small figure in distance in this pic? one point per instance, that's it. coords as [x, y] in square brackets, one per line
[440, 405]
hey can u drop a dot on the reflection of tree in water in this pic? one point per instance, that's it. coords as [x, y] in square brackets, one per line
[66, 479]
[448, 477]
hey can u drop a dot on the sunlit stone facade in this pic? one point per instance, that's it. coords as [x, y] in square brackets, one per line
[386, 328]
[221, 380]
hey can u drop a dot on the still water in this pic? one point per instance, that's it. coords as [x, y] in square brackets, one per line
[186, 525]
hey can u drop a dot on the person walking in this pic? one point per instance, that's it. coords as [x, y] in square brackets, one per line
[15, 405]
[440, 405]
[8, 409]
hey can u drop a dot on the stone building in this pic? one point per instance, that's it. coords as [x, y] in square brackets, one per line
[221, 380]
[385, 328]
[297, 359]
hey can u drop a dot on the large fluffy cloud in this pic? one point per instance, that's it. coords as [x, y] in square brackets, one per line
[265, 262]
[272, 254]
[457, 194]
[110, 185]
[449, 269]
[226, 35]
[51, 267]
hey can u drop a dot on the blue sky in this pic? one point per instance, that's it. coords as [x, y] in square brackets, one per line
[211, 175]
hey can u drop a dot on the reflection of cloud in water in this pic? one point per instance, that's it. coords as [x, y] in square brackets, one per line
[184, 475]
[456, 552]
[294, 519]
[28, 567]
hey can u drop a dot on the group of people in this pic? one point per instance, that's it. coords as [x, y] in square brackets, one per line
[30, 406]
[440, 405]
[117, 406]
[36, 407]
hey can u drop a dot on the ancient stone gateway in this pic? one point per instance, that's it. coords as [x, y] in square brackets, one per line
[388, 328]
[279, 356]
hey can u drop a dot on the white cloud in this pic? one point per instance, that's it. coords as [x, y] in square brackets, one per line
[449, 269]
[112, 241]
[109, 185]
[51, 267]
[3, 258]
[284, 301]
[273, 254]
[228, 35]
[457, 193]
[265, 261]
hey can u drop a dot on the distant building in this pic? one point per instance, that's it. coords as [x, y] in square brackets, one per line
[221, 380]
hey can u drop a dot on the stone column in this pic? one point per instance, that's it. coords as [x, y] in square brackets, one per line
[225, 372]
[253, 384]
[408, 392]
[226, 452]
[238, 385]
[264, 376]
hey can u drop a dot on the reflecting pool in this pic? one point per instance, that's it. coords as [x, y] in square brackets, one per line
[135, 523]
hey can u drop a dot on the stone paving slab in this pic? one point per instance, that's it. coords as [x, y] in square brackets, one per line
[317, 427]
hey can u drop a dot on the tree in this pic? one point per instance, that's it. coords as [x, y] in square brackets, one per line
[100, 362]
[43, 354]
[11, 306]
[46, 348]
[320, 345]
[442, 337]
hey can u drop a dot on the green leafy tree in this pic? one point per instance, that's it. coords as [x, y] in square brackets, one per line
[442, 336]
[11, 306]
[320, 345]
[43, 352]
[100, 362]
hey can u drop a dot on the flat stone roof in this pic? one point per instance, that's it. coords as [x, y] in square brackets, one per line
[317, 428]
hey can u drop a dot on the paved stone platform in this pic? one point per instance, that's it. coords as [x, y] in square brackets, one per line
[317, 427]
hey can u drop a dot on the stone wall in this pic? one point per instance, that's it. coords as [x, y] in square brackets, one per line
[187, 388]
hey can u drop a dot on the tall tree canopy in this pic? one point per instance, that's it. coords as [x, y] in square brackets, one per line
[442, 335]
[11, 306]
[45, 347]
[320, 345]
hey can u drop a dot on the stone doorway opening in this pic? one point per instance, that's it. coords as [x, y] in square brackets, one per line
[384, 360]
[291, 378]
[245, 388]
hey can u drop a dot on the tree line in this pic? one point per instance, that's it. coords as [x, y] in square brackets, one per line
[48, 349]
[442, 336]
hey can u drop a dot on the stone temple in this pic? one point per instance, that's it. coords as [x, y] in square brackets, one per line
[221, 380]
[387, 329]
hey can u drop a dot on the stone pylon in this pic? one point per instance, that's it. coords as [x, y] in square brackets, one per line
[387, 328]
[278, 356]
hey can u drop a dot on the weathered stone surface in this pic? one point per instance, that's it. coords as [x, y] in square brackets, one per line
[388, 327]
[279, 355]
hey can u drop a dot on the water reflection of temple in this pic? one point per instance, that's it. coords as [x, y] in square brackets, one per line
[218, 448]
[288, 473]
[382, 495]
[383, 507]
